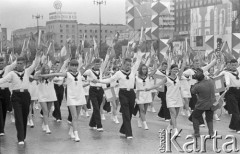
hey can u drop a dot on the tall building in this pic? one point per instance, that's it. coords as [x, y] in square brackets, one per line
[183, 11]
[93, 31]
[3, 38]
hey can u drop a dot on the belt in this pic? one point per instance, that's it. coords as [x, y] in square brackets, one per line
[234, 88]
[20, 90]
[126, 89]
[3, 88]
[98, 88]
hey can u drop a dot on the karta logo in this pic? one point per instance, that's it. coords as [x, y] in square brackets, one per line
[168, 140]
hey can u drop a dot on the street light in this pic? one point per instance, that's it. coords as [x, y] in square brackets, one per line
[37, 17]
[99, 3]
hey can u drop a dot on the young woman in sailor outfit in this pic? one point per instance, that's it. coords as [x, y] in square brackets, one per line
[75, 95]
[143, 97]
[173, 95]
[46, 96]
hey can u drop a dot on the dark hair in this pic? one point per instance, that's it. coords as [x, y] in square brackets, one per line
[173, 66]
[73, 62]
[164, 63]
[140, 69]
[1, 59]
[43, 69]
[233, 61]
[199, 70]
[20, 59]
[115, 68]
[56, 62]
[98, 60]
[127, 60]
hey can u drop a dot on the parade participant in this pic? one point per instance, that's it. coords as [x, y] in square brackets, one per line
[127, 96]
[205, 91]
[59, 89]
[96, 91]
[186, 94]
[173, 95]
[33, 90]
[115, 103]
[46, 96]
[19, 81]
[232, 96]
[143, 97]
[164, 111]
[4, 92]
[75, 94]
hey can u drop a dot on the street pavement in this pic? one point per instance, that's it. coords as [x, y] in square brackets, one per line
[108, 142]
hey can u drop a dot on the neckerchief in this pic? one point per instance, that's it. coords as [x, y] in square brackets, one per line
[143, 79]
[127, 74]
[20, 76]
[46, 81]
[236, 73]
[97, 75]
[75, 76]
[1, 75]
[174, 80]
[164, 72]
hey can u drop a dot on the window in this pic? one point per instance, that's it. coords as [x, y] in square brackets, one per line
[95, 36]
[61, 36]
[66, 26]
[73, 30]
[61, 41]
[61, 30]
[80, 36]
[95, 31]
[73, 36]
[73, 26]
[67, 30]
[105, 31]
[85, 31]
[85, 36]
[60, 26]
[80, 31]
[90, 31]
[90, 36]
[110, 31]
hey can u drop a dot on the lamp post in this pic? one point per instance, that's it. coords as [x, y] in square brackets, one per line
[99, 3]
[37, 17]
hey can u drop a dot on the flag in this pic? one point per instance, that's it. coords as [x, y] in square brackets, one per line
[77, 52]
[226, 51]
[95, 48]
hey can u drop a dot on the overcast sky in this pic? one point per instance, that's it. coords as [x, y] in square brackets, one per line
[15, 14]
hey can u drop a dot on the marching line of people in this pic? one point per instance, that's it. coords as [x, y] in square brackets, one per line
[182, 88]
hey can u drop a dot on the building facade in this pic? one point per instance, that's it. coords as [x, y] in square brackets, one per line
[91, 31]
[183, 11]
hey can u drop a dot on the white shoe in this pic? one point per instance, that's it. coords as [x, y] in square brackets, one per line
[116, 120]
[69, 122]
[41, 116]
[93, 128]
[188, 113]
[47, 130]
[31, 123]
[12, 119]
[81, 113]
[28, 123]
[202, 125]
[2, 134]
[72, 136]
[167, 120]
[44, 127]
[103, 117]
[238, 132]
[52, 108]
[182, 112]
[36, 106]
[129, 137]
[100, 129]
[77, 139]
[87, 115]
[21, 143]
[216, 117]
[59, 120]
[139, 123]
[145, 125]
[153, 110]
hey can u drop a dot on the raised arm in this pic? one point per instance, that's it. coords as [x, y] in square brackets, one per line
[182, 68]
[35, 62]
[138, 61]
[115, 77]
[104, 64]
[10, 67]
[206, 68]
[64, 66]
